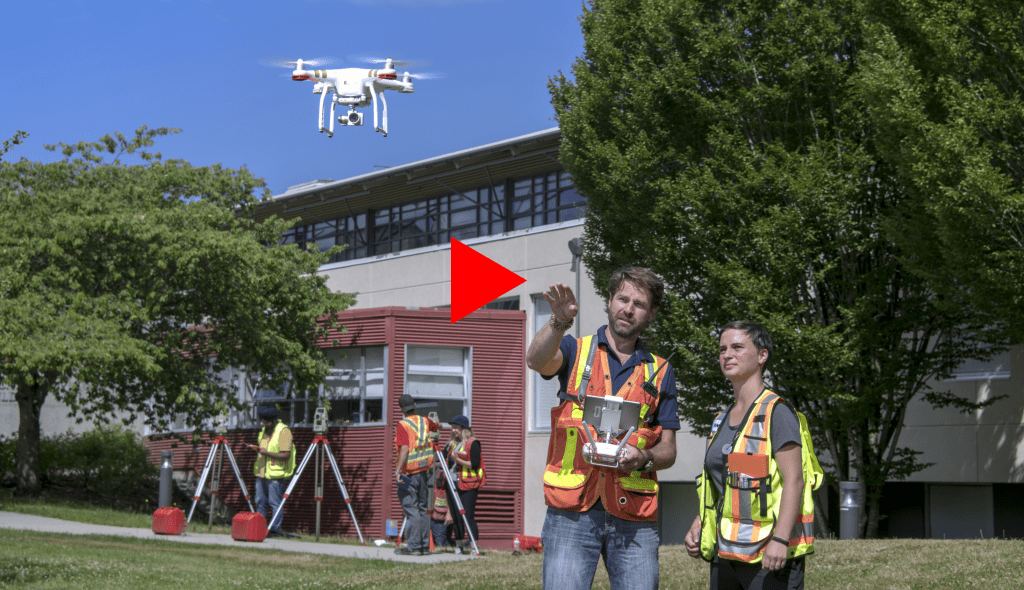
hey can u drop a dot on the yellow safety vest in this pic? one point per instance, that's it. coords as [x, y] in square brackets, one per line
[276, 468]
[739, 523]
[421, 451]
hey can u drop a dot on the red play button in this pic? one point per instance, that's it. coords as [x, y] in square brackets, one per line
[477, 280]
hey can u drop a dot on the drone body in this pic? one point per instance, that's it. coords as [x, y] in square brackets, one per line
[354, 88]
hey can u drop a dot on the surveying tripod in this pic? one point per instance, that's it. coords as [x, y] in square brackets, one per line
[320, 447]
[453, 492]
[219, 442]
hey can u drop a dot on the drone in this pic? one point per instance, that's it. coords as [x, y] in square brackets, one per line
[353, 87]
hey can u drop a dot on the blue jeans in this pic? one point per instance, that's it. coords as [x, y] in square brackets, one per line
[574, 541]
[269, 493]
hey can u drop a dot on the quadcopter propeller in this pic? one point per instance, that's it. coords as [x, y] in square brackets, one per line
[415, 63]
[424, 76]
[287, 63]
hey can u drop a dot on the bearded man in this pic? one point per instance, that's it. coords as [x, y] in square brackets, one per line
[596, 511]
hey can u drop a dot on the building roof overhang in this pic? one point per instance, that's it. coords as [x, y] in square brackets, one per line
[469, 169]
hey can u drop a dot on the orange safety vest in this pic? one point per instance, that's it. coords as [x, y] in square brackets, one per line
[440, 504]
[570, 483]
[470, 479]
[421, 451]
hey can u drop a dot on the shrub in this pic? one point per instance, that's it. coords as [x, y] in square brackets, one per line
[107, 460]
[8, 455]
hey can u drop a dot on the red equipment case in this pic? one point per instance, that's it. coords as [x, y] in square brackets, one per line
[169, 520]
[529, 544]
[249, 526]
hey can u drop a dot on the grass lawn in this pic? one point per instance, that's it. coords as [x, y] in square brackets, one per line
[49, 561]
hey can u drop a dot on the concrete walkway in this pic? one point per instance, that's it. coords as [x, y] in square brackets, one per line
[42, 524]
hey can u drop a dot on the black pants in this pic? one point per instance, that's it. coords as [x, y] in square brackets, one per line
[727, 574]
[468, 499]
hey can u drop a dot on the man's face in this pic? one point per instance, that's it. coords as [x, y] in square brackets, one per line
[738, 357]
[629, 311]
[266, 423]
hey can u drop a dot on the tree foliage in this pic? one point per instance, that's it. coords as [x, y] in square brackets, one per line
[123, 287]
[726, 145]
[944, 82]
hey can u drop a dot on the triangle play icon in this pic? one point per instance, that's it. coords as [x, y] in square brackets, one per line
[477, 280]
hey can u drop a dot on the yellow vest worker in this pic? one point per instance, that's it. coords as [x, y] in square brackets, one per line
[275, 463]
[756, 520]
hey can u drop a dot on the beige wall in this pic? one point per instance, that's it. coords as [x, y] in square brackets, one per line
[978, 447]
[53, 417]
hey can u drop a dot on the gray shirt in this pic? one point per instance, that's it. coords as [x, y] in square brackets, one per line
[785, 429]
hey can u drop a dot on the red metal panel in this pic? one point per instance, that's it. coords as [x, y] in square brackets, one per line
[498, 406]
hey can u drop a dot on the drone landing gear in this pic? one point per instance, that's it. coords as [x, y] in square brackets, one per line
[383, 130]
[330, 132]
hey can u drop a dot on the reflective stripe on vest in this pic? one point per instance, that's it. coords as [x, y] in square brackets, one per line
[440, 503]
[276, 468]
[470, 479]
[742, 521]
[568, 484]
[421, 452]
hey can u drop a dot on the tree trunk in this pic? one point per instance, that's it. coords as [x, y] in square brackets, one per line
[30, 402]
[872, 507]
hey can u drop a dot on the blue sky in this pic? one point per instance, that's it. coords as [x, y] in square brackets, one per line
[77, 70]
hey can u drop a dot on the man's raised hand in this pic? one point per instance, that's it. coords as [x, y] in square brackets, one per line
[562, 301]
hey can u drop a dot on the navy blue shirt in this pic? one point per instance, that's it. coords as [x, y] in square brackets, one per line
[668, 410]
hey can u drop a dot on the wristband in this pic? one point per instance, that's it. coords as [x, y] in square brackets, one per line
[559, 325]
[781, 540]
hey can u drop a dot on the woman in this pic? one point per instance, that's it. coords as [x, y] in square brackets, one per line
[753, 507]
[467, 467]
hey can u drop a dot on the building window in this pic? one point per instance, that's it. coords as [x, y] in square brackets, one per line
[476, 213]
[409, 226]
[351, 233]
[357, 386]
[6, 394]
[543, 199]
[511, 303]
[440, 375]
[545, 391]
[997, 367]
[300, 234]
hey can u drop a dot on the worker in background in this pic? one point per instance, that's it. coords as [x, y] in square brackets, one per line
[414, 459]
[467, 465]
[275, 464]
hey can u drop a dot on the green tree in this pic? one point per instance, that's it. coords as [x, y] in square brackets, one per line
[722, 144]
[124, 287]
[943, 81]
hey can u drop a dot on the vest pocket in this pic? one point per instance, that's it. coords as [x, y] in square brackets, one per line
[743, 549]
[748, 496]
